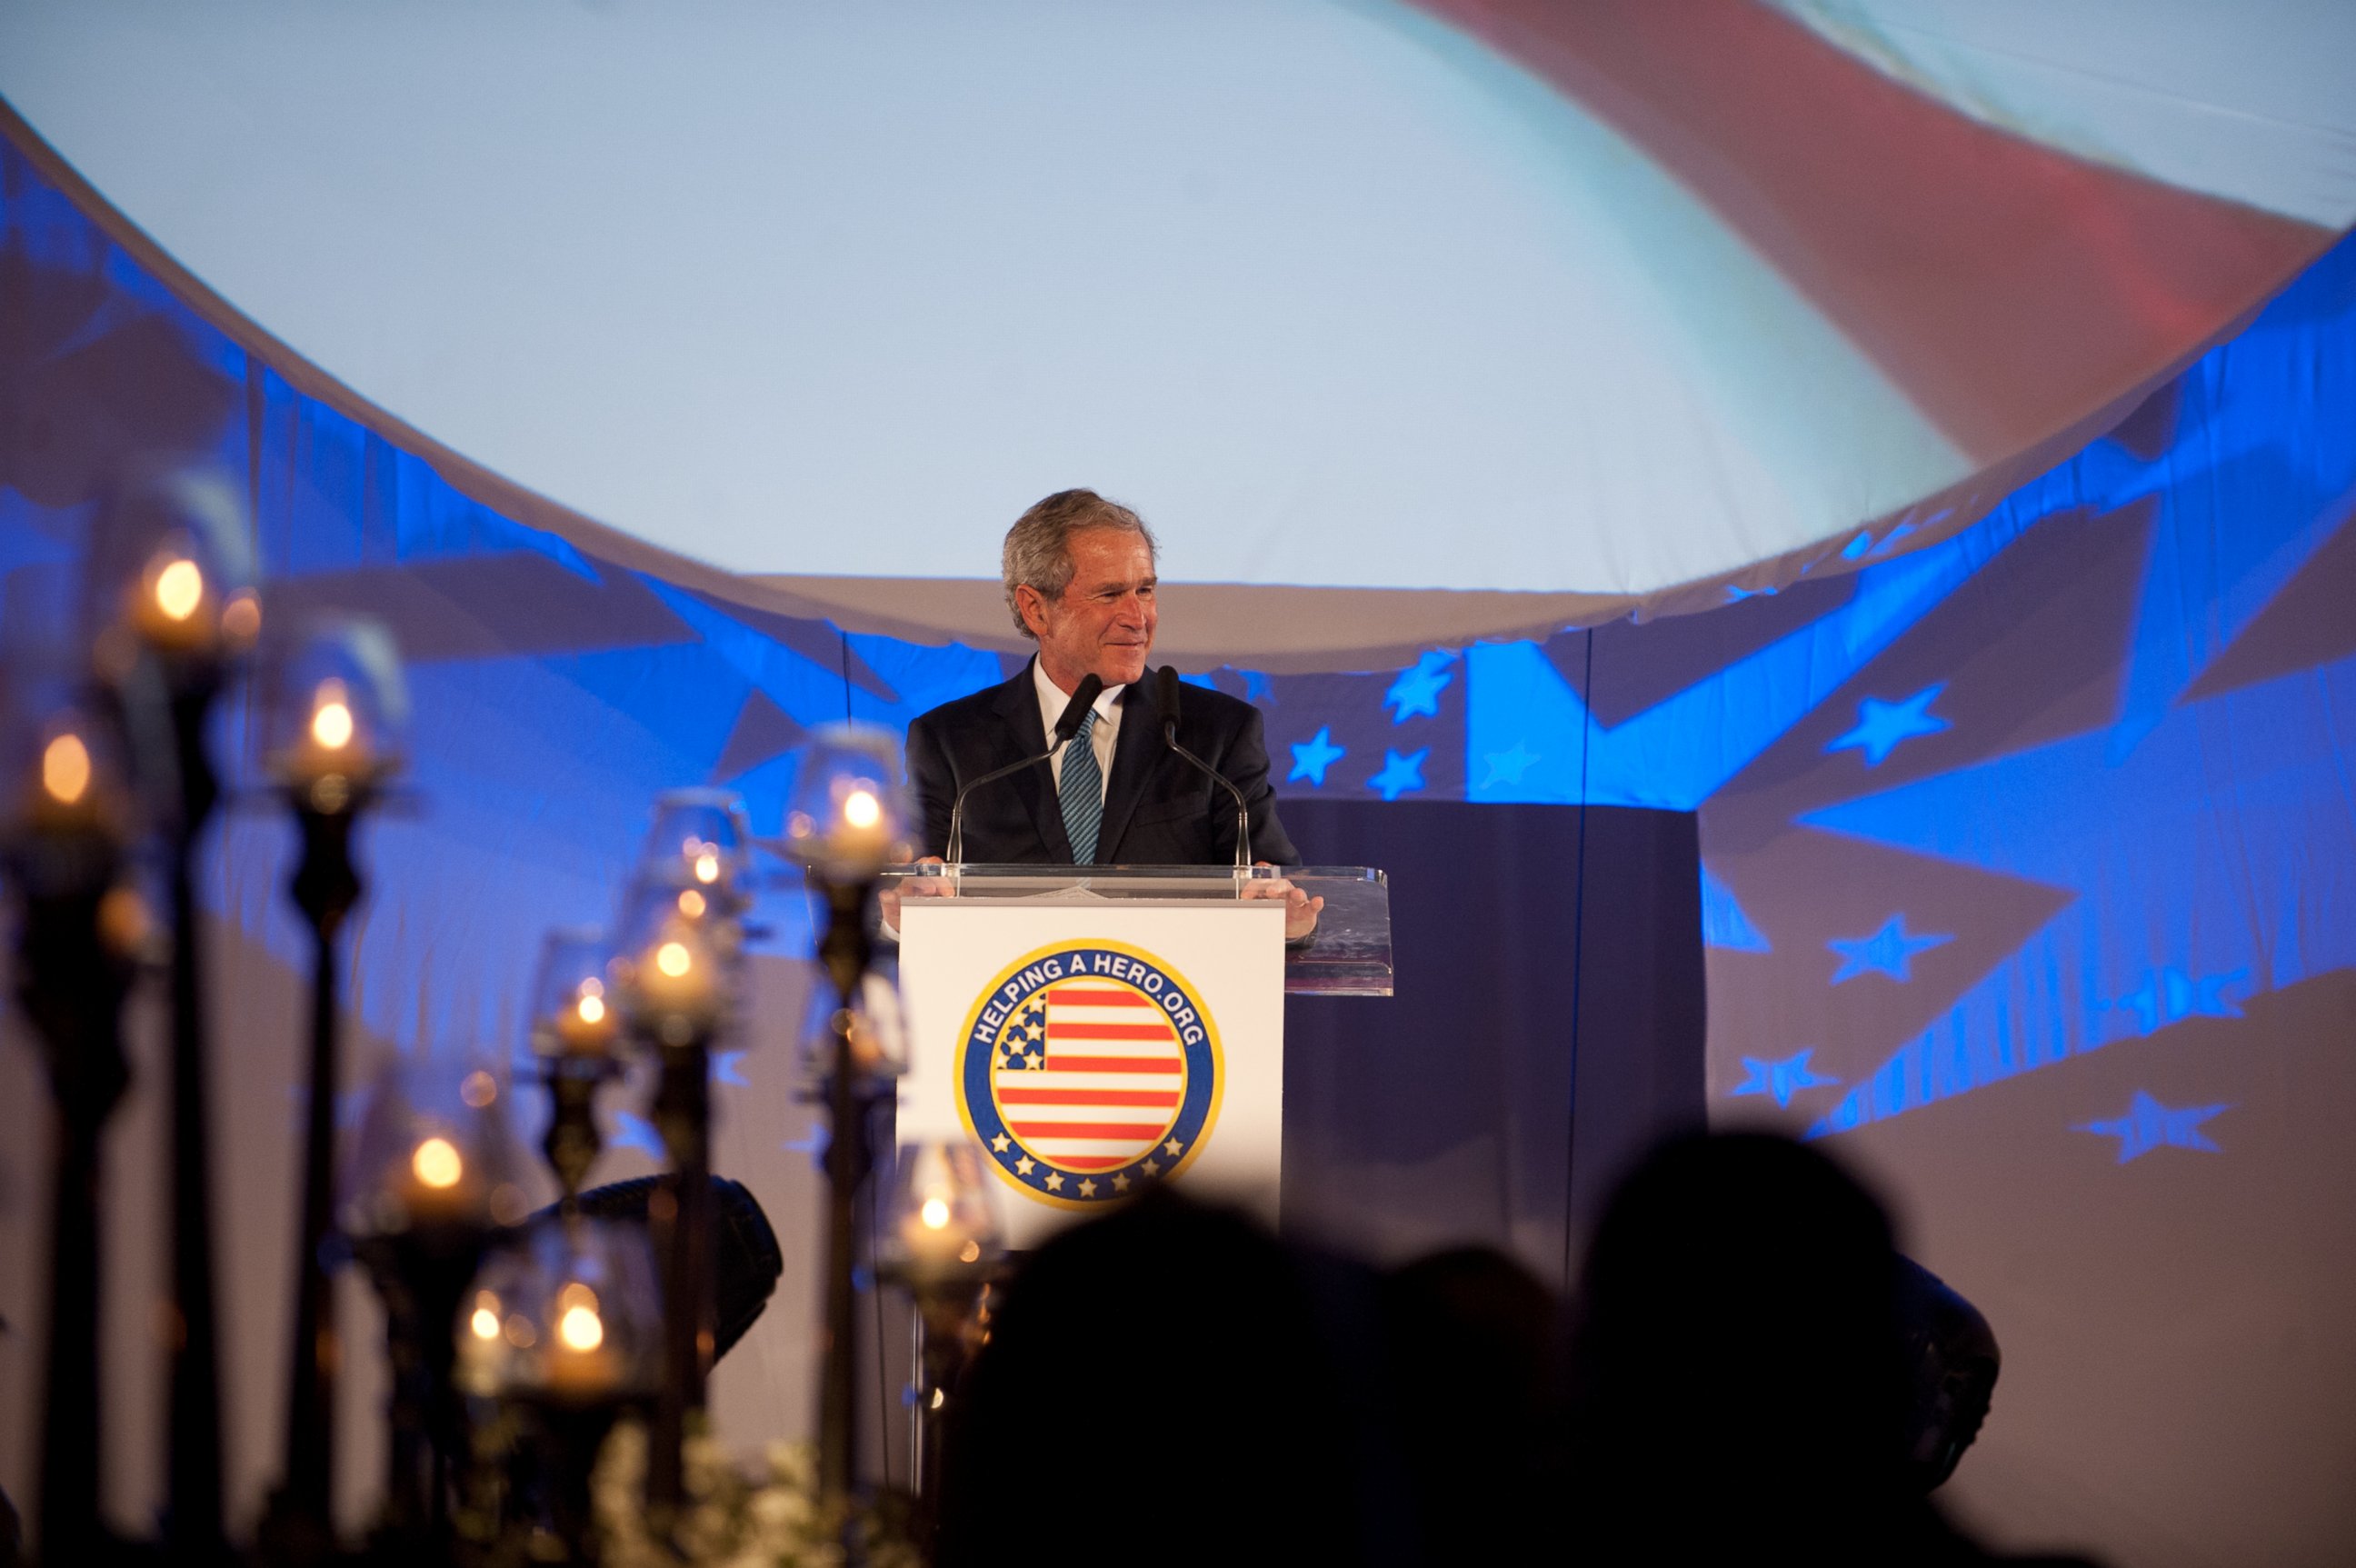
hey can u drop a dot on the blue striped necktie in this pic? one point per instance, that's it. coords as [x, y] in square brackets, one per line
[1080, 787]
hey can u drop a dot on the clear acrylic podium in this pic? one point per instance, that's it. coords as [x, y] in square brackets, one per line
[1349, 954]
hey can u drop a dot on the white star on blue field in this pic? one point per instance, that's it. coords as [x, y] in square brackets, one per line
[1416, 690]
[1889, 951]
[1781, 1078]
[2150, 1125]
[1399, 774]
[1313, 756]
[1881, 725]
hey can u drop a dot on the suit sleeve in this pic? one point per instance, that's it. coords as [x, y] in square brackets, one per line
[933, 782]
[1247, 768]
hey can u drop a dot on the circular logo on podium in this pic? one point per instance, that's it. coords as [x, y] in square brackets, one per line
[1087, 1070]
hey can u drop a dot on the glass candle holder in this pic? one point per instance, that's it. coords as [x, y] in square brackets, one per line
[941, 1224]
[847, 817]
[675, 986]
[337, 720]
[571, 1312]
[171, 569]
[698, 842]
[575, 1012]
[877, 1025]
[434, 1153]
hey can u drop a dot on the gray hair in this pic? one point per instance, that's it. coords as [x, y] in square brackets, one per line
[1038, 551]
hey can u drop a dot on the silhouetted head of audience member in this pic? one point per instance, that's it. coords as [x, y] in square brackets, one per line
[1471, 1335]
[1737, 1378]
[1172, 1380]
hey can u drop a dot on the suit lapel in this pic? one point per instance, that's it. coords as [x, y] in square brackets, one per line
[1018, 705]
[1135, 748]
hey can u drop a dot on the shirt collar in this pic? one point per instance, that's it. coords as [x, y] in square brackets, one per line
[1052, 700]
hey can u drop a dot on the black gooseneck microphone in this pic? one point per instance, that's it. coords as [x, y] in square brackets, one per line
[1165, 697]
[1084, 697]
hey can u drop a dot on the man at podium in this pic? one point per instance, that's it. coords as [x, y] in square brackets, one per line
[1106, 784]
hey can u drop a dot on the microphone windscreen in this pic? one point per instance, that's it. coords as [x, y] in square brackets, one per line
[1084, 696]
[1165, 693]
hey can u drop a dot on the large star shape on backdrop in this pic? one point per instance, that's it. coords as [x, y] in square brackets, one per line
[1313, 756]
[1416, 690]
[1881, 725]
[1399, 774]
[2150, 1125]
[1889, 951]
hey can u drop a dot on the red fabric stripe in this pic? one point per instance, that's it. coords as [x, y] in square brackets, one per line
[1069, 996]
[1141, 1130]
[1109, 1032]
[1148, 1097]
[2010, 288]
[1112, 1064]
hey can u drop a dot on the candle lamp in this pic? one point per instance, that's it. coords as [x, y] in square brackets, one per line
[576, 1033]
[170, 610]
[565, 1325]
[333, 729]
[698, 842]
[846, 818]
[942, 1241]
[676, 985]
[62, 833]
[434, 1174]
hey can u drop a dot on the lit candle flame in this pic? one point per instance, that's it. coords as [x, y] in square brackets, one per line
[691, 904]
[707, 867]
[861, 808]
[65, 769]
[935, 1214]
[331, 717]
[590, 1007]
[438, 1163]
[578, 1325]
[673, 959]
[485, 1323]
[180, 589]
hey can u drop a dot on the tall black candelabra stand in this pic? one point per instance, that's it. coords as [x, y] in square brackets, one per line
[682, 1115]
[71, 982]
[184, 688]
[845, 951]
[300, 1526]
[422, 1273]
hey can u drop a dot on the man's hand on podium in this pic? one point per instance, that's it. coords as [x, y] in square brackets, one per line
[913, 887]
[1299, 909]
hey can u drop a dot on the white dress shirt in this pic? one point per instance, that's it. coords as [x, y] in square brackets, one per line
[1051, 704]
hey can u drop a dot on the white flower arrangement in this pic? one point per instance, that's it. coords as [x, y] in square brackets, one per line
[767, 1518]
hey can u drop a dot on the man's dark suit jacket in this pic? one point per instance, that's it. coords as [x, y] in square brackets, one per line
[1160, 810]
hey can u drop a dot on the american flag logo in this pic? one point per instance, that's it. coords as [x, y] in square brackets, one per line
[1089, 1072]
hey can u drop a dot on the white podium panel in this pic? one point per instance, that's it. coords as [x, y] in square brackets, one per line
[1096, 1048]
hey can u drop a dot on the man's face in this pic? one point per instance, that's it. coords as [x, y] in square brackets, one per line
[1103, 623]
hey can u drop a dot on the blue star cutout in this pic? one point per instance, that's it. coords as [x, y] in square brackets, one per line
[2169, 994]
[1889, 951]
[1258, 684]
[638, 1133]
[2149, 1124]
[1508, 766]
[1416, 690]
[1781, 1078]
[1313, 756]
[1399, 774]
[1881, 725]
[725, 1070]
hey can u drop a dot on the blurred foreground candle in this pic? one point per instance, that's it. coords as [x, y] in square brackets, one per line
[943, 1222]
[676, 990]
[847, 817]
